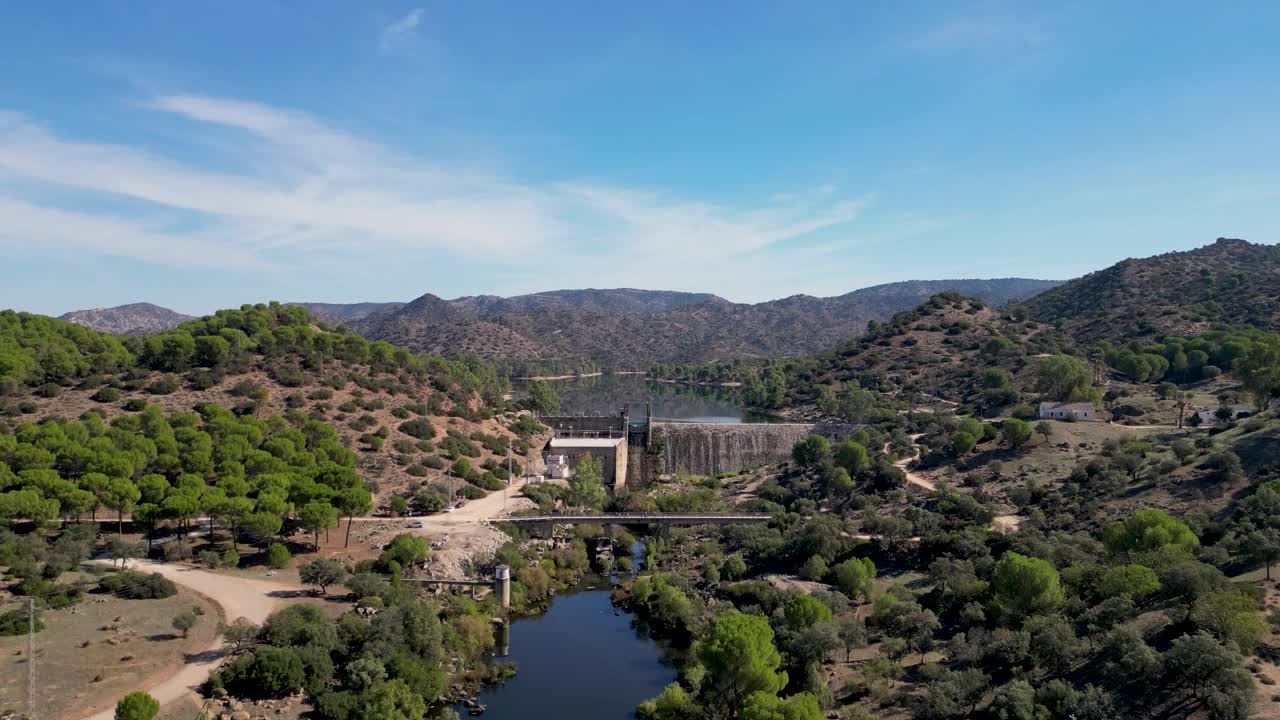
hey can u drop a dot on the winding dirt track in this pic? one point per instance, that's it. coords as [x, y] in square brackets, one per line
[912, 478]
[238, 597]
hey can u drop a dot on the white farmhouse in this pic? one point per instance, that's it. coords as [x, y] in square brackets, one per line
[1067, 411]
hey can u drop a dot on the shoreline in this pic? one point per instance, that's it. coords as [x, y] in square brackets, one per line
[532, 378]
[692, 383]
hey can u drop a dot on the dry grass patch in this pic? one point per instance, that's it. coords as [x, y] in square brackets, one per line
[131, 644]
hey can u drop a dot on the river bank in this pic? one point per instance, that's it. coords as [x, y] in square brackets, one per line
[580, 657]
[577, 376]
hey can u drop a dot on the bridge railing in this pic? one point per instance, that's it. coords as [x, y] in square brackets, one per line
[639, 517]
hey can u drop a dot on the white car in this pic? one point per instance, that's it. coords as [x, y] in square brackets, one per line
[449, 509]
[415, 524]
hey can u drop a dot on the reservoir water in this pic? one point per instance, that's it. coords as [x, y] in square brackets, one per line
[580, 659]
[606, 394]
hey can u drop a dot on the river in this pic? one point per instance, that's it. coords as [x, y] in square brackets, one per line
[580, 659]
[606, 394]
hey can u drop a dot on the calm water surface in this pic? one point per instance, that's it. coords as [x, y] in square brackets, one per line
[580, 660]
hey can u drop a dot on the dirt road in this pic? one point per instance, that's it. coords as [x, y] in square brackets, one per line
[487, 508]
[469, 530]
[912, 478]
[238, 597]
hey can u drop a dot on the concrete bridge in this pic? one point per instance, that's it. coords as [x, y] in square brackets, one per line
[545, 523]
[501, 584]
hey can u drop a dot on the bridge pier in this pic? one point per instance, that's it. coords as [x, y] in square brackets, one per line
[546, 530]
[665, 530]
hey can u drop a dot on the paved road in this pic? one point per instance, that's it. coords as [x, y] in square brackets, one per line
[238, 597]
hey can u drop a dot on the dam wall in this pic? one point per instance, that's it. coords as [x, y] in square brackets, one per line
[712, 448]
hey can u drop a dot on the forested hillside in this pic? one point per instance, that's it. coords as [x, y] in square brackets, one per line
[1229, 282]
[955, 556]
[573, 330]
[261, 394]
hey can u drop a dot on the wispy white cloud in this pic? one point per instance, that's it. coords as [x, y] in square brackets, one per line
[396, 31]
[303, 194]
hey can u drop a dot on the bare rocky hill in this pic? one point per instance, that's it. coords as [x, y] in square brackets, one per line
[132, 319]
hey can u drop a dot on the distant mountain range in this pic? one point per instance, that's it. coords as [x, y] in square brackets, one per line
[1229, 281]
[623, 328]
[637, 329]
[132, 319]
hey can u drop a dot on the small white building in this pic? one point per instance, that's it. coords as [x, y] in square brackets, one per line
[1067, 411]
[558, 467]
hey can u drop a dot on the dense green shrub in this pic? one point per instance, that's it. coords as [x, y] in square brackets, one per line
[278, 556]
[106, 395]
[137, 705]
[418, 428]
[17, 622]
[137, 586]
[268, 673]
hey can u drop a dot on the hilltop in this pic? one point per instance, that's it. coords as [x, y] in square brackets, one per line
[133, 319]
[628, 329]
[1229, 282]
[934, 354]
[404, 418]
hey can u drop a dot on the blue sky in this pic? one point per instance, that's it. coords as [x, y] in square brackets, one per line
[202, 155]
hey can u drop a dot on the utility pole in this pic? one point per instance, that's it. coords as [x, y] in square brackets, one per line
[31, 658]
[507, 491]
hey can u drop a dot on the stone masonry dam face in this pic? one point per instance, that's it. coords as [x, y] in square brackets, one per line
[712, 448]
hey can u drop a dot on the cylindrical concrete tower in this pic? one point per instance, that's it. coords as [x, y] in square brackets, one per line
[502, 585]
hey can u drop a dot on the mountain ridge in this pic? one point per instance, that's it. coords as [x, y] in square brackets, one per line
[615, 329]
[630, 329]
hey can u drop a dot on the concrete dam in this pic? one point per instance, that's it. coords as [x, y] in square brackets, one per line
[639, 450]
[713, 448]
